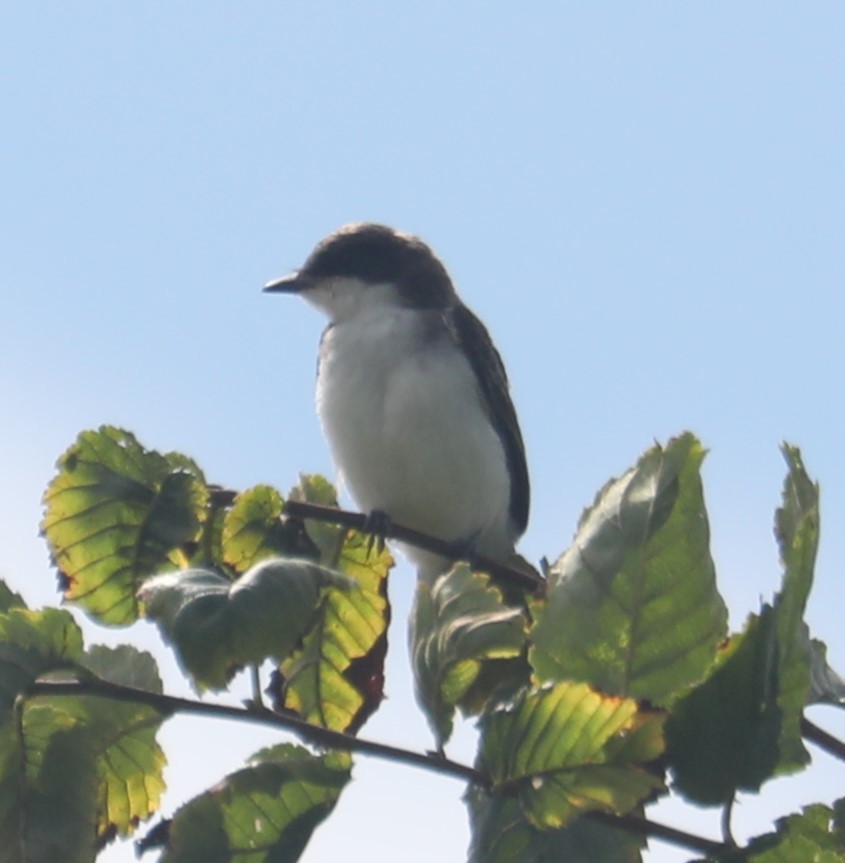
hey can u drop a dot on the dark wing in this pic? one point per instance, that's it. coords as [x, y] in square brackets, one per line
[474, 339]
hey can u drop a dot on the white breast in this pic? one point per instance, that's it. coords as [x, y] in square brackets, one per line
[402, 414]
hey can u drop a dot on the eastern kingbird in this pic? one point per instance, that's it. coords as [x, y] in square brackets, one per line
[412, 394]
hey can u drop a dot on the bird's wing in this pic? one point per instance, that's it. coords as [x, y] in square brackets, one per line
[473, 338]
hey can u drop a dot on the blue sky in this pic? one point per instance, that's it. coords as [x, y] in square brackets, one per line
[645, 202]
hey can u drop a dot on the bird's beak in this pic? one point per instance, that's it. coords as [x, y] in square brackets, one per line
[290, 284]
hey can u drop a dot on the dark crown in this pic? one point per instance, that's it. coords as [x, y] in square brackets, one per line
[377, 254]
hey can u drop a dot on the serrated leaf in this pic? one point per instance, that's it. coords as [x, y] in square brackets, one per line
[32, 643]
[459, 623]
[826, 685]
[117, 513]
[814, 836]
[723, 735]
[73, 769]
[48, 791]
[253, 530]
[632, 607]
[130, 762]
[124, 665]
[329, 538]
[264, 813]
[566, 749]
[217, 626]
[797, 533]
[40, 818]
[9, 599]
[336, 678]
[118, 739]
[501, 833]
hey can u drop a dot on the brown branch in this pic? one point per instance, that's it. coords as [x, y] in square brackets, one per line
[647, 828]
[824, 740]
[169, 705]
[357, 520]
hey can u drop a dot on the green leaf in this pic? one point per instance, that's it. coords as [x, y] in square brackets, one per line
[459, 624]
[814, 836]
[31, 644]
[723, 735]
[632, 606]
[47, 783]
[797, 533]
[743, 724]
[117, 740]
[73, 770]
[566, 749]
[826, 686]
[117, 513]
[124, 665]
[328, 538]
[254, 530]
[9, 599]
[264, 813]
[336, 678]
[501, 833]
[217, 626]
[48, 790]
[130, 762]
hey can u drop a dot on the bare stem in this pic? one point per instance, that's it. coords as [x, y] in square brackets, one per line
[357, 520]
[824, 740]
[169, 705]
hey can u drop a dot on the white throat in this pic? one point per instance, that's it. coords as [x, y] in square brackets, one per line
[403, 415]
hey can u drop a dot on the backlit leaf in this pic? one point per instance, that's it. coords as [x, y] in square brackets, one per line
[459, 624]
[254, 530]
[116, 514]
[632, 606]
[336, 678]
[566, 749]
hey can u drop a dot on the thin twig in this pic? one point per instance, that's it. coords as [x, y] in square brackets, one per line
[169, 705]
[357, 520]
[645, 827]
[832, 745]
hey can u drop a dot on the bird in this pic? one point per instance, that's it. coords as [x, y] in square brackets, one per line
[412, 394]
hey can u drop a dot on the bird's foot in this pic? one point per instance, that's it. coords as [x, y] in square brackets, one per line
[377, 524]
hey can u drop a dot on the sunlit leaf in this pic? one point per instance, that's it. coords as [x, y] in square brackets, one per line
[264, 813]
[329, 538]
[117, 513]
[632, 606]
[254, 530]
[566, 749]
[459, 623]
[32, 643]
[217, 626]
[74, 770]
[336, 678]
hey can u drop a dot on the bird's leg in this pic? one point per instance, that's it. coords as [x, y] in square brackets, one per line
[377, 525]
